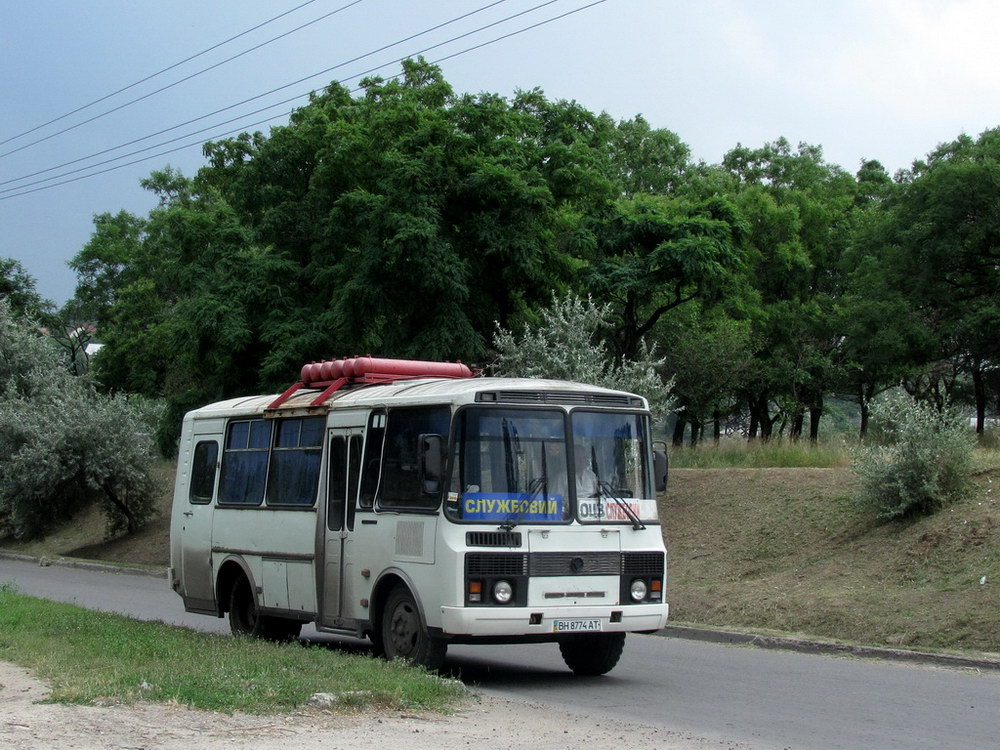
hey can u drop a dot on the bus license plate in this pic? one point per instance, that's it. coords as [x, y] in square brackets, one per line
[576, 626]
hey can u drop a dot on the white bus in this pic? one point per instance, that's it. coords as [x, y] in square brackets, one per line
[416, 505]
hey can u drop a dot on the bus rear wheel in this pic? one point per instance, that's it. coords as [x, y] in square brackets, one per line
[245, 618]
[404, 635]
[592, 653]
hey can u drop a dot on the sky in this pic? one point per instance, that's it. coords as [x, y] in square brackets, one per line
[863, 79]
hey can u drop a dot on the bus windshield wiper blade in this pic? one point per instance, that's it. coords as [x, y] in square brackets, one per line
[607, 491]
[536, 484]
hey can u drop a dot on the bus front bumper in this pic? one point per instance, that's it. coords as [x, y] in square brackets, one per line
[552, 621]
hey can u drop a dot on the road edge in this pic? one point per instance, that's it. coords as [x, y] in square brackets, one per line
[72, 562]
[827, 648]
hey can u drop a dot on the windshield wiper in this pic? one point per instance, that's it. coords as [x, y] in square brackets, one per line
[536, 484]
[608, 491]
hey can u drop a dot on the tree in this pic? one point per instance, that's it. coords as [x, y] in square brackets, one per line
[947, 253]
[17, 288]
[655, 254]
[62, 445]
[566, 344]
[796, 208]
[708, 356]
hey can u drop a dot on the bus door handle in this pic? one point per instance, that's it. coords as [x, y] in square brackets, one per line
[189, 513]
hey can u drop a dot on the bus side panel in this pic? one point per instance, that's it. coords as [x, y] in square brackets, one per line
[278, 548]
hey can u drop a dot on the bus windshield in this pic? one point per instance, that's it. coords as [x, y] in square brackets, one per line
[611, 473]
[510, 467]
[517, 466]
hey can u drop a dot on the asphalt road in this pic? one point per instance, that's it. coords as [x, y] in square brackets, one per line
[758, 698]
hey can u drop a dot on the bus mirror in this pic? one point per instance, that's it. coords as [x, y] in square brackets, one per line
[660, 467]
[430, 463]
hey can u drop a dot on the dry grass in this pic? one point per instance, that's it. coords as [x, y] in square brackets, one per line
[785, 549]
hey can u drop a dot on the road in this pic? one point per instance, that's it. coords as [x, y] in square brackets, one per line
[761, 698]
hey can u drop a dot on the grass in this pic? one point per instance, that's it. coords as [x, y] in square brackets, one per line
[95, 657]
[737, 453]
[787, 549]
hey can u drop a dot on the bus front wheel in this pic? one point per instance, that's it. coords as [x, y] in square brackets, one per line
[403, 634]
[592, 653]
[245, 618]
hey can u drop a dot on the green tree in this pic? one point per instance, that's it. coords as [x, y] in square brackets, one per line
[709, 356]
[796, 207]
[18, 289]
[654, 254]
[947, 253]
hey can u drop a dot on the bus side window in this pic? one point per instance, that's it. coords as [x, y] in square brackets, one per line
[401, 485]
[206, 456]
[353, 477]
[337, 486]
[372, 460]
[295, 461]
[244, 462]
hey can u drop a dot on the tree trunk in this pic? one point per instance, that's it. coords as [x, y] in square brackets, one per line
[815, 414]
[863, 401]
[132, 524]
[798, 420]
[716, 426]
[979, 386]
[678, 438]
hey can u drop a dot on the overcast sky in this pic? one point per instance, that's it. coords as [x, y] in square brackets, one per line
[879, 79]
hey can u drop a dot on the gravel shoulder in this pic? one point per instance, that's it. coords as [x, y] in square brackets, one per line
[28, 724]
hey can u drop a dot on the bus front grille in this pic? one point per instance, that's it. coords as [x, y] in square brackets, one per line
[575, 563]
[493, 538]
[495, 564]
[643, 563]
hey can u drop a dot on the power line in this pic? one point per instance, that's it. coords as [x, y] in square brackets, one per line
[243, 128]
[289, 85]
[175, 83]
[157, 73]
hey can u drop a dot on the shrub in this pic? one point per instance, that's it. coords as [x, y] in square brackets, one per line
[62, 444]
[921, 461]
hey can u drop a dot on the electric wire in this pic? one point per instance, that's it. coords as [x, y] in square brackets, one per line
[281, 88]
[245, 127]
[157, 73]
[175, 83]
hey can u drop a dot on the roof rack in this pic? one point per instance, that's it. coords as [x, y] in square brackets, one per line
[332, 375]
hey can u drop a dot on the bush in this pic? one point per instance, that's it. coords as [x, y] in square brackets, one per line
[62, 444]
[921, 461]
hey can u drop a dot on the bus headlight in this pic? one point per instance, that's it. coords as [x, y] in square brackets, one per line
[503, 592]
[638, 590]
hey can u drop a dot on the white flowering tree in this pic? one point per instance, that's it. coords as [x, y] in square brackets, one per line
[62, 444]
[567, 345]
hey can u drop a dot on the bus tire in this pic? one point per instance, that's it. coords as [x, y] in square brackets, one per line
[592, 654]
[245, 618]
[404, 635]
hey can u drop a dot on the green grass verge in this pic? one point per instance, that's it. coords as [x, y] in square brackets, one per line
[96, 657]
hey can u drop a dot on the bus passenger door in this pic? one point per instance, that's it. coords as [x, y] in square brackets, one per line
[342, 494]
[193, 520]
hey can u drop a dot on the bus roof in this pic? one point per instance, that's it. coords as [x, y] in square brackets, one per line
[424, 391]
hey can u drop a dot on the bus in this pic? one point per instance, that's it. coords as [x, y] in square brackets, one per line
[419, 504]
